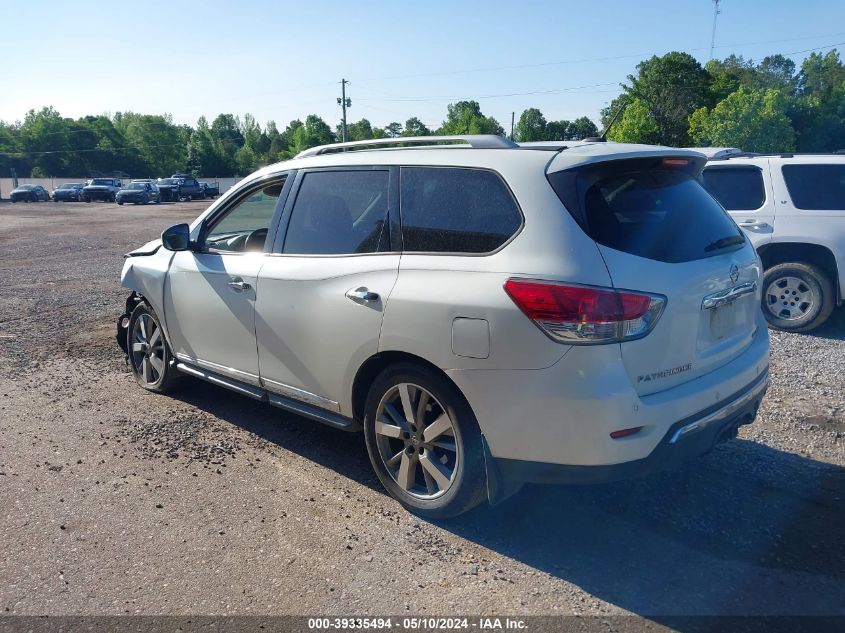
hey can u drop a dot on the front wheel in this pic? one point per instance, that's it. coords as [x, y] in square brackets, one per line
[797, 297]
[424, 442]
[149, 355]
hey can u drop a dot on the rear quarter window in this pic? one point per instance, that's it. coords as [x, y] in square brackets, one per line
[456, 210]
[736, 188]
[816, 187]
[642, 208]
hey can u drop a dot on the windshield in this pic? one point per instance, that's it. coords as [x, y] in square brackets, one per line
[167, 181]
[69, 185]
[26, 187]
[136, 185]
[101, 181]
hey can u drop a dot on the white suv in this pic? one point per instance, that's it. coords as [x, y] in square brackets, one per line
[793, 209]
[488, 313]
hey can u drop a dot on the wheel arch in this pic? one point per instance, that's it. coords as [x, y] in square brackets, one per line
[498, 488]
[821, 257]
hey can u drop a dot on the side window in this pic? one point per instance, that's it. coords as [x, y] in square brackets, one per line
[453, 210]
[816, 187]
[736, 188]
[339, 213]
[243, 228]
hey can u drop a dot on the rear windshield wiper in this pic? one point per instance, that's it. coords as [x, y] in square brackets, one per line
[724, 242]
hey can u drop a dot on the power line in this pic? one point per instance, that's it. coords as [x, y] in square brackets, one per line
[98, 149]
[596, 59]
[494, 96]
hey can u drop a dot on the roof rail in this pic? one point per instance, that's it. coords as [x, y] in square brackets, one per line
[476, 141]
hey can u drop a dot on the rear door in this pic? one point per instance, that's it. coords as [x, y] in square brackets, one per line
[322, 293]
[745, 191]
[660, 232]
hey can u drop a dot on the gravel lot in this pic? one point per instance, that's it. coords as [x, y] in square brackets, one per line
[116, 501]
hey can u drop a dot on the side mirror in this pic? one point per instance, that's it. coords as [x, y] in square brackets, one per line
[176, 238]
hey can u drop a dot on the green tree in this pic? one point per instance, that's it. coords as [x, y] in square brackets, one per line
[754, 120]
[159, 145]
[205, 153]
[531, 126]
[359, 131]
[821, 74]
[393, 129]
[287, 135]
[44, 136]
[415, 127]
[635, 125]
[226, 129]
[670, 87]
[465, 117]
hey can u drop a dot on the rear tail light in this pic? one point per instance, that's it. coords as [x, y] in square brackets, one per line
[586, 315]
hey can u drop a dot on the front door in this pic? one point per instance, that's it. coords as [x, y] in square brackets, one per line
[209, 298]
[322, 293]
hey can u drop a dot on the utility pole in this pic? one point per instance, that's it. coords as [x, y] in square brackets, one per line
[713, 37]
[512, 115]
[345, 103]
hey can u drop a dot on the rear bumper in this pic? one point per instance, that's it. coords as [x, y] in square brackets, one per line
[686, 439]
[564, 414]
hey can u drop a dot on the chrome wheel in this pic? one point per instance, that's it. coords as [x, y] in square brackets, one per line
[147, 349]
[416, 441]
[789, 298]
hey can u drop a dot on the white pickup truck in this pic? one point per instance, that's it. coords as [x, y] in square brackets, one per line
[792, 207]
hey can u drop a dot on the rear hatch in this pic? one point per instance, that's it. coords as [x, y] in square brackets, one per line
[660, 232]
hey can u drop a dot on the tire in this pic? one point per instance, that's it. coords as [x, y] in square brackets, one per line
[87, 200]
[119, 203]
[797, 297]
[453, 478]
[149, 354]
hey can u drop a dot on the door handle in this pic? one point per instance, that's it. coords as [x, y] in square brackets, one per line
[362, 295]
[238, 284]
[753, 224]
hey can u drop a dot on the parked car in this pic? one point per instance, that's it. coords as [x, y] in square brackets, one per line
[29, 193]
[68, 192]
[179, 187]
[791, 207]
[488, 313]
[210, 189]
[138, 193]
[101, 189]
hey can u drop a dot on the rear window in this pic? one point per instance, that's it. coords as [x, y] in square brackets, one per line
[816, 187]
[660, 214]
[736, 188]
[455, 210]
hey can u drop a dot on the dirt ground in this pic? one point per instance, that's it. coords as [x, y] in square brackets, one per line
[116, 501]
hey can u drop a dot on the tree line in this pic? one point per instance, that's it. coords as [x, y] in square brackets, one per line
[770, 106]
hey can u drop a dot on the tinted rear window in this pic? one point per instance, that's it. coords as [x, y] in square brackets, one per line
[659, 214]
[736, 188]
[454, 210]
[816, 187]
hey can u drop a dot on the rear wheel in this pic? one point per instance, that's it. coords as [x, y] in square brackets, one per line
[797, 297]
[149, 354]
[424, 442]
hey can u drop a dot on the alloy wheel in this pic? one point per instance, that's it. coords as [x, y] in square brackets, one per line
[789, 298]
[416, 441]
[147, 349]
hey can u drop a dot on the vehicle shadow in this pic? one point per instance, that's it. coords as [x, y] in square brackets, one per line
[744, 530]
[833, 328]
